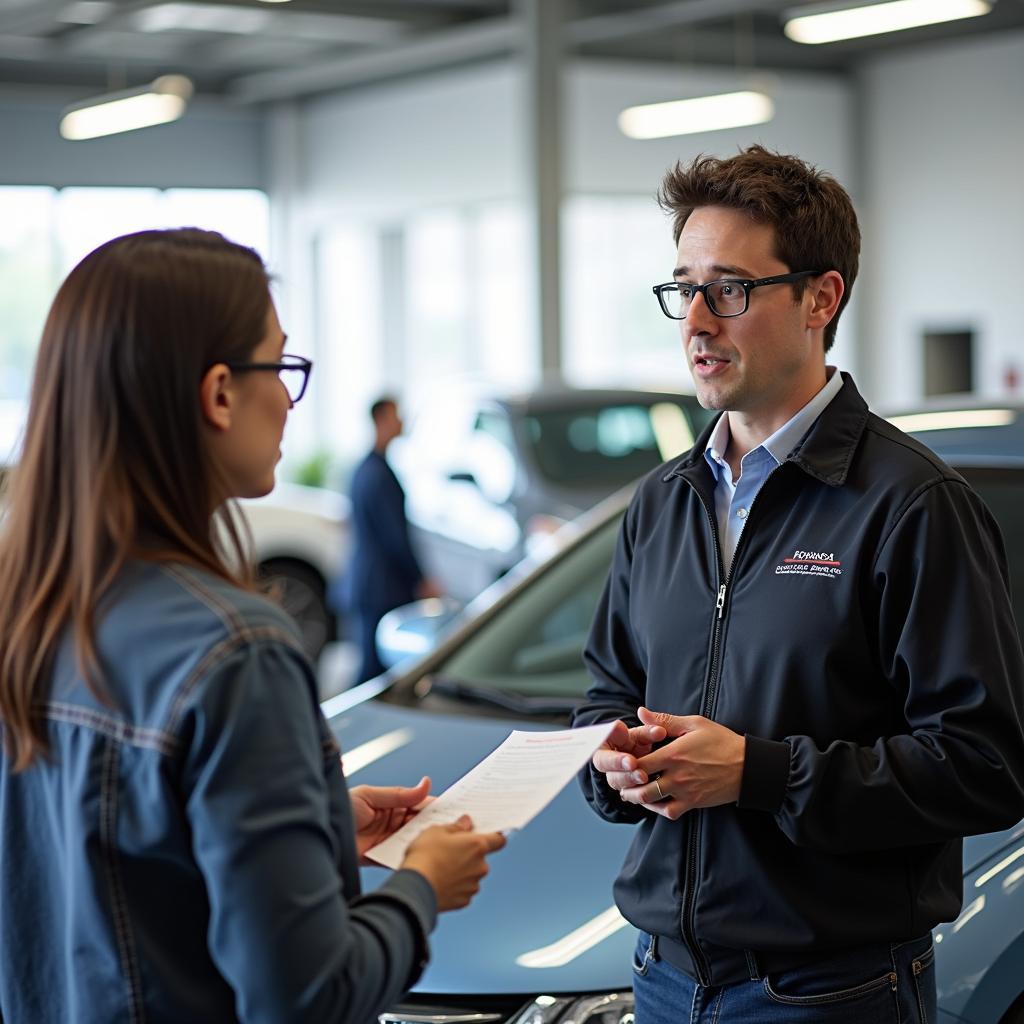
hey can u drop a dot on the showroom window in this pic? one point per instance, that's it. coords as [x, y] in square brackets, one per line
[47, 231]
[614, 249]
[443, 302]
[434, 304]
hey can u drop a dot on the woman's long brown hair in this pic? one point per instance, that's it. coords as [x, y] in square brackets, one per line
[113, 464]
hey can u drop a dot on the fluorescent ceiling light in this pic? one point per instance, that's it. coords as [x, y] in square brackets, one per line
[86, 12]
[229, 19]
[954, 419]
[816, 25]
[162, 101]
[702, 114]
[181, 17]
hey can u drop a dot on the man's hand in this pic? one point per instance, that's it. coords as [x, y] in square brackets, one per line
[619, 755]
[379, 811]
[702, 766]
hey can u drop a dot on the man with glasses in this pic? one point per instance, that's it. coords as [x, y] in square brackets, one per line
[807, 641]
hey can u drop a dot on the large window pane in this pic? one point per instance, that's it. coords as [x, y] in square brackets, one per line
[435, 284]
[614, 250]
[28, 277]
[88, 217]
[351, 369]
[503, 315]
[44, 233]
[243, 215]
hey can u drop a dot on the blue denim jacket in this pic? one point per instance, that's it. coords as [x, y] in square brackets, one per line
[186, 852]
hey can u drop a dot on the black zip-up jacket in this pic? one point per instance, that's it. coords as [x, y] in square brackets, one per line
[864, 643]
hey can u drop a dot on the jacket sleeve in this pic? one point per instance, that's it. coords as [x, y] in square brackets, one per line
[618, 677]
[949, 648]
[288, 929]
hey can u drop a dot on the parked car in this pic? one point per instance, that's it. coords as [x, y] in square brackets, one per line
[301, 541]
[486, 478]
[981, 432]
[544, 943]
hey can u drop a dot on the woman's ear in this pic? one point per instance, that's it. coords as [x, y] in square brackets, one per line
[216, 397]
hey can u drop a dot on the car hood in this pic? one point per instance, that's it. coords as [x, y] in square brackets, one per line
[978, 849]
[552, 880]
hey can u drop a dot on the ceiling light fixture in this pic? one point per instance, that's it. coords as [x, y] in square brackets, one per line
[158, 103]
[220, 18]
[85, 12]
[828, 24]
[700, 114]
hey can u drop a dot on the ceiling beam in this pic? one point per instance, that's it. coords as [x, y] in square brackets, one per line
[639, 21]
[480, 40]
[30, 17]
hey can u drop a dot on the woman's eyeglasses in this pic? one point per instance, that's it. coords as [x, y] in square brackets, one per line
[293, 371]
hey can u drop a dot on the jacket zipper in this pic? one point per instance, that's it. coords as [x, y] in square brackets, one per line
[707, 703]
[692, 846]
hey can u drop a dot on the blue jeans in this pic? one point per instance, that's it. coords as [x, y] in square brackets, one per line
[888, 984]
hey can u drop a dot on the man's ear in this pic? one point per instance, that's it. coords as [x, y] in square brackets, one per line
[216, 397]
[826, 293]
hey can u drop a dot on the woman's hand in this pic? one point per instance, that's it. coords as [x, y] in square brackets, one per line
[380, 811]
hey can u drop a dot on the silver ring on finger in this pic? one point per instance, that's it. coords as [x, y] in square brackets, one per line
[657, 786]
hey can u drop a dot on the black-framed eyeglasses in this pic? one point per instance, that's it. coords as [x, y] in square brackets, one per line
[729, 296]
[293, 371]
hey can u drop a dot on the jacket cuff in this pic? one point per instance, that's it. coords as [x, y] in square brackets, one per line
[415, 895]
[765, 774]
[606, 801]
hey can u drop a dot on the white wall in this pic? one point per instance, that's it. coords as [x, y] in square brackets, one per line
[213, 146]
[812, 118]
[457, 136]
[944, 130]
[447, 138]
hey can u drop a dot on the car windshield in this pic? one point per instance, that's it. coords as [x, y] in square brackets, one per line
[1003, 491]
[534, 646]
[611, 445]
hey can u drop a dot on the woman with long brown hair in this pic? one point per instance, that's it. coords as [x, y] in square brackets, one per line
[177, 842]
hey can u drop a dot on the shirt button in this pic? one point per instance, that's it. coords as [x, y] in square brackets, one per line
[741, 513]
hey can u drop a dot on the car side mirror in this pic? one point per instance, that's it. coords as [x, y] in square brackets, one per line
[413, 630]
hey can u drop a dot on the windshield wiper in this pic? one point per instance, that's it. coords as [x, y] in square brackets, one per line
[520, 703]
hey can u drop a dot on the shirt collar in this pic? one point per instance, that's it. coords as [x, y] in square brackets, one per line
[786, 438]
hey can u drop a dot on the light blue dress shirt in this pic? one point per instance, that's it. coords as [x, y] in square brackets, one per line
[734, 498]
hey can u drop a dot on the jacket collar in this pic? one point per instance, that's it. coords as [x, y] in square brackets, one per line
[825, 451]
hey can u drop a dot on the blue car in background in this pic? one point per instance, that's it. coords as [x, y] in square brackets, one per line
[543, 943]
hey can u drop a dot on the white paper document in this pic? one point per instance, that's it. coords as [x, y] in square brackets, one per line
[506, 789]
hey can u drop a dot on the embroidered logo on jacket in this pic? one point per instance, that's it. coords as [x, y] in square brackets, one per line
[810, 563]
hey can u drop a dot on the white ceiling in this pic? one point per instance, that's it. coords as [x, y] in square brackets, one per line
[255, 52]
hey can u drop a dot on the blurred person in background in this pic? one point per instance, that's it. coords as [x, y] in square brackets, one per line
[177, 841]
[384, 573]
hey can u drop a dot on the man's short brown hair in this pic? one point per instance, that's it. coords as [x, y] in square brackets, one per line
[811, 213]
